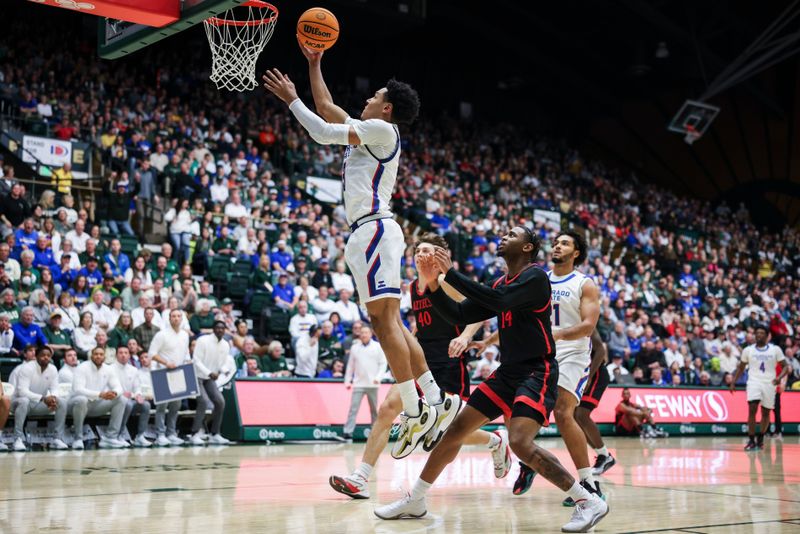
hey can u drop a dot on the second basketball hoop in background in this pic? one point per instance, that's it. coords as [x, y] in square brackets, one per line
[236, 38]
[318, 28]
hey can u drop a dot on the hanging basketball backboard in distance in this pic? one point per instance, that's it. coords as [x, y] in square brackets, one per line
[117, 38]
[693, 120]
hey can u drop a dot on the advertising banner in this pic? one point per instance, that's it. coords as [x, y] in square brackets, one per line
[50, 152]
[282, 403]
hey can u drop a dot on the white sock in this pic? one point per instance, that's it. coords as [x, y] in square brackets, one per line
[602, 451]
[494, 441]
[578, 492]
[586, 474]
[410, 397]
[420, 489]
[364, 470]
[430, 388]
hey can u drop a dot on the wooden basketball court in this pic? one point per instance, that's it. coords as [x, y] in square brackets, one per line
[677, 485]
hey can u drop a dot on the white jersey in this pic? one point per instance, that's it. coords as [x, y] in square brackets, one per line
[566, 313]
[370, 169]
[762, 362]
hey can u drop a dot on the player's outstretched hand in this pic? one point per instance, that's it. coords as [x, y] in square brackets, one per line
[314, 57]
[443, 259]
[280, 85]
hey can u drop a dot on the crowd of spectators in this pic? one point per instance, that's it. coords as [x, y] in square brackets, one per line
[683, 281]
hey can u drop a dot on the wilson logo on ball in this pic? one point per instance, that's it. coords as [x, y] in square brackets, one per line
[313, 30]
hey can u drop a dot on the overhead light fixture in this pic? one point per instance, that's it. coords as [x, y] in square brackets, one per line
[662, 52]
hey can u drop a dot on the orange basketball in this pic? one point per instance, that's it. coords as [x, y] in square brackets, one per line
[318, 28]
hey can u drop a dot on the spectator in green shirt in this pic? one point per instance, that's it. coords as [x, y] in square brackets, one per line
[122, 331]
[202, 322]
[9, 306]
[224, 244]
[59, 340]
[330, 347]
[274, 362]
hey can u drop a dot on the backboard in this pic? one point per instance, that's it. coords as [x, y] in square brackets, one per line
[693, 120]
[117, 38]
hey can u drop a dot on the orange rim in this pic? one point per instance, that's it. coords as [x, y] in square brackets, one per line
[251, 3]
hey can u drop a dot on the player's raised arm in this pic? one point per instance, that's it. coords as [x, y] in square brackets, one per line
[320, 131]
[323, 100]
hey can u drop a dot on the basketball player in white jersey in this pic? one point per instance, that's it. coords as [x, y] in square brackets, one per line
[761, 360]
[576, 309]
[375, 248]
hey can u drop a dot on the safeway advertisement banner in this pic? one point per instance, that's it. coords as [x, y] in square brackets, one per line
[275, 403]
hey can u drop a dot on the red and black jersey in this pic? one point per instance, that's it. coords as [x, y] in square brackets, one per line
[521, 304]
[431, 325]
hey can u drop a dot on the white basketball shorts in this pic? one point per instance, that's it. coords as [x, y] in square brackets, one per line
[762, 391]
[373, 253]
[573, 372]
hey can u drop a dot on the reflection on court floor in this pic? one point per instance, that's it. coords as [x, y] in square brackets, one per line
[698, 484]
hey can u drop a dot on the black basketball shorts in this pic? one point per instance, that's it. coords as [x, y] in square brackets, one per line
[529, 394]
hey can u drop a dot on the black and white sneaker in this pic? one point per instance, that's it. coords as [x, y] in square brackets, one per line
[593, 490]
[603, 463]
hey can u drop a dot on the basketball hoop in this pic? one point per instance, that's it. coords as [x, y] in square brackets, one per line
[691, 134]
[236, 38]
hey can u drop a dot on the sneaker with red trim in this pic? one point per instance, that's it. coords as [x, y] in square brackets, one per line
[354, 486]
[501, 454]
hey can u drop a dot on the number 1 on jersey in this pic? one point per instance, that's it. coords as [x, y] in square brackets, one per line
[556, 315]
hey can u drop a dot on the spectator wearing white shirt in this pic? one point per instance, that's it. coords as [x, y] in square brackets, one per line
[67, 371]
[96, 391]
[85, 336]
[672, 354]
[135, 403]
[323, 306]
[78, 236]
[170, 348]
[35, 394]
[728, 359]
[348, 311]
[248, 243]
[235, 208]
[145, 382]
[365, 369]
[307, 353]
[211, 358]
[301, 322]
[6, 337]
[219, 190]
[138, 314]
[100, 312]
[488, 360]
[341, 280]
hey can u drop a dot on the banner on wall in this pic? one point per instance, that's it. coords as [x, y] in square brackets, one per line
[36, 150]
[274, 403]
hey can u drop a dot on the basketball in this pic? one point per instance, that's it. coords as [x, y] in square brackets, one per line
[318, 28]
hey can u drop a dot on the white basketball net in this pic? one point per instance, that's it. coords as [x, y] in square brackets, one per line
[236, 38]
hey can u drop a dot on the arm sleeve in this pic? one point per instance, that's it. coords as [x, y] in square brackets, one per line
[320, 131]
[349, 372]
[199, 355]
[24, 386]
[114, 384]
[79, 385]
[462, 312]
[504, 297]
